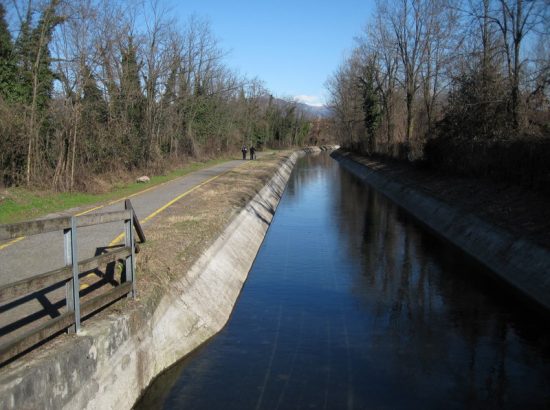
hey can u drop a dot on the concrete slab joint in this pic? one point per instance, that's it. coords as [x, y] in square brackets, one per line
[110, 363]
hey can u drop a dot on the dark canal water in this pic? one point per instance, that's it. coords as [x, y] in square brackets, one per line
[351, 305]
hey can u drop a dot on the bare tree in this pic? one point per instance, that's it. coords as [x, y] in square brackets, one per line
[379, 42]
[441, 44]
[157, 53]
[517, 18]
[407, 19]
[345, 98]
[118, 95]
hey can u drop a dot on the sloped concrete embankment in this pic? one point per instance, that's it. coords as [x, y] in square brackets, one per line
[519, 262]
[113, 360]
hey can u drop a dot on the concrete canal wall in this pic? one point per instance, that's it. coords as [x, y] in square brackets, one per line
[110, 363]
[519, 262]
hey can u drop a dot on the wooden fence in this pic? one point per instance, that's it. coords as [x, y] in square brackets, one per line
[69, 274]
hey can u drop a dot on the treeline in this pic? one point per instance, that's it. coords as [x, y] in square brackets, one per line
[92, 87]
[462, 85]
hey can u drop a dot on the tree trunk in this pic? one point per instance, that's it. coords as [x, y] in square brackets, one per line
[73, 152]
[410, 124]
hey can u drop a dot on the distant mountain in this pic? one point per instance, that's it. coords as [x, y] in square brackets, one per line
[314, 111]
[310, 111]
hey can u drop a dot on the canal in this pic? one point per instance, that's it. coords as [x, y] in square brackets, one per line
[351, 304]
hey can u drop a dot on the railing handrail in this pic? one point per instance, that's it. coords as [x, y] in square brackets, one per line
[38, 226]
[70, 273]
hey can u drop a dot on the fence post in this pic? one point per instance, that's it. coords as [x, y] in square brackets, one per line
[130, 260]
[73, 285]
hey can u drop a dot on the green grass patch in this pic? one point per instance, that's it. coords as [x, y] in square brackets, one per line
[23, 204]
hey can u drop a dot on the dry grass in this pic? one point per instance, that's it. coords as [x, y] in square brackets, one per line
[177, 238]
[522, 212]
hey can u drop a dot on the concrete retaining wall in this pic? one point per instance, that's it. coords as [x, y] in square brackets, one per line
[113, 360]
[523, 264]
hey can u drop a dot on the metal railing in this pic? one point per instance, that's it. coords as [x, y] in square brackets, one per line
[70, 274]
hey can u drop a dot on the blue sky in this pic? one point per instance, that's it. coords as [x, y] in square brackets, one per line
[293, 46]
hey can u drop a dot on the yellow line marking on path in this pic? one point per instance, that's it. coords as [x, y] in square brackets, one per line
[11, 242]
[162, 208]
[122, 199]
[103, 206]
[140, 192]
[119, 237]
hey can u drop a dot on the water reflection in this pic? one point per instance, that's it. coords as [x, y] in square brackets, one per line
[314, 167]
[458, 321]
[351, 305]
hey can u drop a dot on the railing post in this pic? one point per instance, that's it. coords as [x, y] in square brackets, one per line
[73, 285]
[131, 259]
[137, 225]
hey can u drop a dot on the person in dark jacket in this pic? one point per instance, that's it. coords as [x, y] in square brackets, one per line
[252, 152]
[243, 150]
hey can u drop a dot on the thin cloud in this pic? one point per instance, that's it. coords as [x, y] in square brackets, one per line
[309, 100]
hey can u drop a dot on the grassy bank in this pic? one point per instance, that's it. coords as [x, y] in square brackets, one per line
[18, 204]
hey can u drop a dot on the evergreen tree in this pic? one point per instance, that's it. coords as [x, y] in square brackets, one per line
[41, 38]
[35, 79]
[370, 103]
[32, 57]
[133, 101]
[6, 45]
[94, 117]
[22, 57]
[7, 66]
[92, 97]
[169, 96]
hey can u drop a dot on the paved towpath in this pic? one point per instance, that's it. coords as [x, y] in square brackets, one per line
[26, 257]
[43, 253]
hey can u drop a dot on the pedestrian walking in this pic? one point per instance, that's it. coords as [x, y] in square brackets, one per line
[252, 152]
[243, 150]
